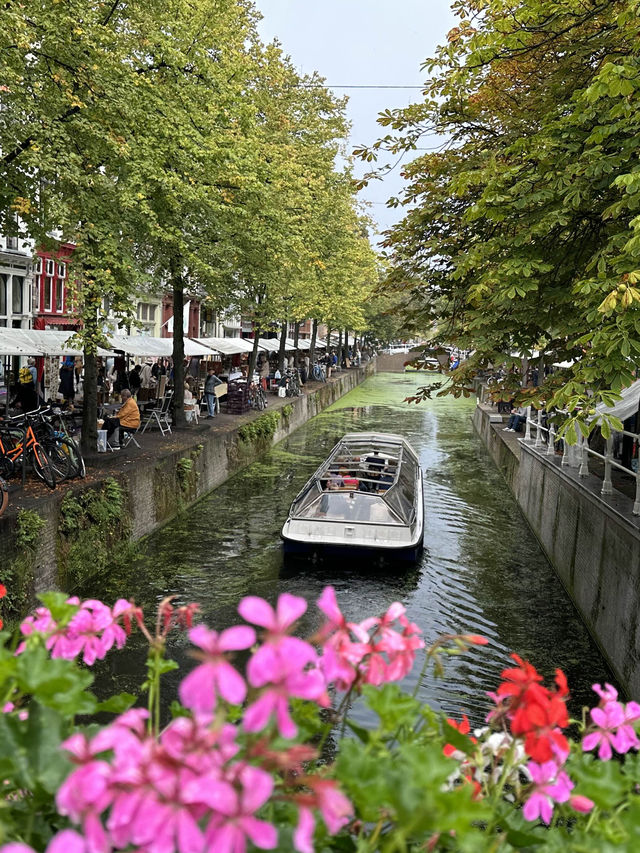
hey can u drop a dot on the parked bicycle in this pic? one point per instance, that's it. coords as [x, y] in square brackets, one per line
[257, 396]
[318, 373]
[292, 382]
[18, 444]
[53, 433]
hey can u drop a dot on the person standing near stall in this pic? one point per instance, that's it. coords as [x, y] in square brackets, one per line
[210, 392]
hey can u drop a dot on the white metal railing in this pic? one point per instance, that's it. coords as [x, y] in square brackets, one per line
[577, 455]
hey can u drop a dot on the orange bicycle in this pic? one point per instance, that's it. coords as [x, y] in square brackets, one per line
[17, 441]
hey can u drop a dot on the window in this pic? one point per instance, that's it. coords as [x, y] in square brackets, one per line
[152, 313]
[17, 294]
[142, 311]
[59, 294]
[3, 293]
[48, 293]
[62, 270]
[12, 242]
[51, 266]
[38, 265]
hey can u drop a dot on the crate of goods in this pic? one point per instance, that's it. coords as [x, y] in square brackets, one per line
[237, 398]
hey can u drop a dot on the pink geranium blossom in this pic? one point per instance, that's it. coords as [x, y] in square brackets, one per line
[66, 841]
[324, 795]
[282, 678]
[612, 730]
[215, 676]
[551, 785]
[235, 820]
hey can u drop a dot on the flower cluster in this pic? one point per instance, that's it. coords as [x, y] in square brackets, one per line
[377, 650]
[92, 630]
[612, 724]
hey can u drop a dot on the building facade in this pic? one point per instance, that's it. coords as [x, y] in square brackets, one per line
[16, 300]
[52, 295]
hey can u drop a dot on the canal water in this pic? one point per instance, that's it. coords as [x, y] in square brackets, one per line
[482, 570]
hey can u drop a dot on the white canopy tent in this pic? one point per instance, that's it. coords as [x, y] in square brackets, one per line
[627, 406]
[228, 346]
[144, 346]
[270, 344]
[304, 344]
[52, 342]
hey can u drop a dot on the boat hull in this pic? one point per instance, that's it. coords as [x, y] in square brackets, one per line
[361, 553]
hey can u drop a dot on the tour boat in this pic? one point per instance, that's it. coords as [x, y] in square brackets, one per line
[365, 498]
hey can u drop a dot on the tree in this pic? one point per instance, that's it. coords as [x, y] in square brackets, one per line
[522, 234]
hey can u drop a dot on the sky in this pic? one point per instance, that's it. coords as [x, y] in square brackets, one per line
[362, 43]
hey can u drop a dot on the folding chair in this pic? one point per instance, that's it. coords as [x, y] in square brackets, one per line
[128, 436]
[160, 417]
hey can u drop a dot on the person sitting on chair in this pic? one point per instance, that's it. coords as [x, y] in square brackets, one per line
[128, 416]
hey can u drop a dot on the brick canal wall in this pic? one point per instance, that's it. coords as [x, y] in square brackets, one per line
[593, 543]
[153, 489]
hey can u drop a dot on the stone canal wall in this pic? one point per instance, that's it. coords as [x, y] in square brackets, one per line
[592, 542]
[63, 538]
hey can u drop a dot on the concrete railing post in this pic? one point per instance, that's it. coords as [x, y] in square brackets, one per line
[636, 505]
[584, 457]
[551, 448]
[527, 432]
[565, 452]
[607, 484]
[539, 429]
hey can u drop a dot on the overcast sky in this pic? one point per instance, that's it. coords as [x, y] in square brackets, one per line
[362, 43]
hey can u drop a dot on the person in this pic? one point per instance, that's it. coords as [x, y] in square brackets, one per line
[517, 418]
[307, 368]
[375, 461]
[349, 480]
[128, 417]
[210, 392]
[67, 379]
[134, 379]
[146, 381]
[26, 391]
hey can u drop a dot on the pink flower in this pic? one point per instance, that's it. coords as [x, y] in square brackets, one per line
[277, 622]
[551, 785]
[234, 821]
[283, 677]
[581, 803]
[215, 676]
[66, 841]
[92, 631]
[334, 807]
[612, 731]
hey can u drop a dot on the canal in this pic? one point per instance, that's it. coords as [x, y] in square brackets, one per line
[482, 570]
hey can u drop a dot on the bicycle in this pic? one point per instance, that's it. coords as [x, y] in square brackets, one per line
[57, 438]
[292, 382]
[318, 373]
[257, 397]
[18, 443]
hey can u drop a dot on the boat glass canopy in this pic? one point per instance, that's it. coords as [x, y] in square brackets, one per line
[366, 479]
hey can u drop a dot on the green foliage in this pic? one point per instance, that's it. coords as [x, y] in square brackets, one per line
[17, 576]
[262, 429]
[286, 411]
[523, 233]
[93, 533]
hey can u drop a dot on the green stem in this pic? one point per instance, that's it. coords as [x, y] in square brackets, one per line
[330, 725]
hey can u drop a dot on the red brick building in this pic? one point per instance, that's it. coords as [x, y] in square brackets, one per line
[51, 292]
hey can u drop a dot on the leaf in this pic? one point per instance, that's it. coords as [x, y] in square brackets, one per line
[117, 704]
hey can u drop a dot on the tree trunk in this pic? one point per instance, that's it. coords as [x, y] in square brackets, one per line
[312, 348]
[89, 441]
[339, 353]
[253, 358]
[296, 339]
[345, 345]
[177, 282]
[283, 342]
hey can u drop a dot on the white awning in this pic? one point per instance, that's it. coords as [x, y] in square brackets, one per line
[228, 346]
[304, 344]
[146, 346]
[270, 344]
[52, 342]
[627, 406]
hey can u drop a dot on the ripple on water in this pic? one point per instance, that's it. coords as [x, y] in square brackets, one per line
[482, 570]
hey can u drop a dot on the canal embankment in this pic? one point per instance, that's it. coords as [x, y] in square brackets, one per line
[592, 541]
[57, 539]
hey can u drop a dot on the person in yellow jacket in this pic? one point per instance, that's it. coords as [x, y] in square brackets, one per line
[128, 416]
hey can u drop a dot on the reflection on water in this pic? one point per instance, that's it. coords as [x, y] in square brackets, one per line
[482, 570]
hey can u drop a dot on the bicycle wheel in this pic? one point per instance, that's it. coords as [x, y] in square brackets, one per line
[4, 496]
[60, 461]
[76, 460]
[7, 467]
[42, 465]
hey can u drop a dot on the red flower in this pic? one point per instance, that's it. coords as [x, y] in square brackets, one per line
[535, 712]
[3, 590]
[464, 728]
